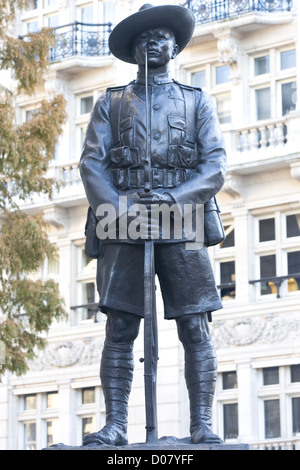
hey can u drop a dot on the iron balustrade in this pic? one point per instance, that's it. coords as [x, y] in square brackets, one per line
[214, 10]
[84, 39]
[277, 281]
[91, 308]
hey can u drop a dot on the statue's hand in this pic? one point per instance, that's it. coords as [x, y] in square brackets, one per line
[155, 197]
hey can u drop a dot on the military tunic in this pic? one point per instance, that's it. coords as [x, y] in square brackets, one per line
[185, 149]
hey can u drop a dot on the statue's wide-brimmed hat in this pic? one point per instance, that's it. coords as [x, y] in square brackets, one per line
[178, 19]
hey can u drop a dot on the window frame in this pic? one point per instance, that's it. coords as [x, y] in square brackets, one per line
[273, 79]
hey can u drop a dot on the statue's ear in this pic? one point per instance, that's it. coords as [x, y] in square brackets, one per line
[175, 51]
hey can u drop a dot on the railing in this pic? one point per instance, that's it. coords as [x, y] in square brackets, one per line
[215, 10]
[84, 39]
[91, 310]
[68, 174]
[276, 444]
[261, 136]
[276, 281]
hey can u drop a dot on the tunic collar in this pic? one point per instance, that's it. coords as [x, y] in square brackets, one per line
[158, 79]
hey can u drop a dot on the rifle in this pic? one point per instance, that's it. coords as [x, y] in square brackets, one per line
[150, 343]
[150, 317]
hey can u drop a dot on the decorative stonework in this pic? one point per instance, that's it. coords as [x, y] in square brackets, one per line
[229, 53]
[234, 185]
[228, 50]
[68, 353]
[246, 331]
[295, 170]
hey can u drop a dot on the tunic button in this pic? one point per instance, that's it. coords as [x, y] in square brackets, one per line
[156, 135]
[156, 107]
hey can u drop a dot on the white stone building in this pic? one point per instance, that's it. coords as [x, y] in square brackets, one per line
[246, 54]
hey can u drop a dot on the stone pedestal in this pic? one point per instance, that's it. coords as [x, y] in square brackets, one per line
[162, 447]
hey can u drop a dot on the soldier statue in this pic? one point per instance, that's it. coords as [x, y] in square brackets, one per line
[187, 166]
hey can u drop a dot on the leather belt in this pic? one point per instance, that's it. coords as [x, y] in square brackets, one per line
[128, 178]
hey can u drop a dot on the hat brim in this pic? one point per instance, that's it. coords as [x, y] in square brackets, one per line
[178, 19]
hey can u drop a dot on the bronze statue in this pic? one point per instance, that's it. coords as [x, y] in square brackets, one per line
[157, 146]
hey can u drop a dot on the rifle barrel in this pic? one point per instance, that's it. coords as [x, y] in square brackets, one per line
[150, 344]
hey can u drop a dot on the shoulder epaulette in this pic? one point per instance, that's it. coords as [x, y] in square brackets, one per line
[116, 88]
[187, 87]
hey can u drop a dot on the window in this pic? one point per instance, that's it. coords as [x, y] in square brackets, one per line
[87, 14]
[270, 375]
[198, 79]
[229, 234]
[86, 104]
[52, 400]
[88, 297]
[227, 278]
[52, 429]
[274, 85]
[229, 380]
[32, 5]
[224, 108]
[215, 79]
[90, 410]
[280, 401]
[88, 422]
[40, 13]
[30, 402]
[278, 255]
[266, 230]
[39, 420]
[230, 416]
[293, 225]
[295, 373]
[53, 265]
[296, 415]
[222, 74]
[263, 103]
[88, 425]
[32, 26]
[272, 418]
[86, 288]
[293, 261]
[288, 97]
[52, 21]
[262, 65]
[88, 395]
[267, 269]
[288, 59]
[30, 435]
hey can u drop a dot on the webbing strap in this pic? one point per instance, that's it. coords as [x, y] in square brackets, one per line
[190, 114]
[116, 95]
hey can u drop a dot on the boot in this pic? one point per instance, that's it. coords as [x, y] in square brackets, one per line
[116, 374]
[201, 375]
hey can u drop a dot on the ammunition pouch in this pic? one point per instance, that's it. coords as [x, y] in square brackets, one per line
[92, 242]
[124, 157]
[180, 156]
[213, 227]
[127, 178]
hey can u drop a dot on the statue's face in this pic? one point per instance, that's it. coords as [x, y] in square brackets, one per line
[160, 44]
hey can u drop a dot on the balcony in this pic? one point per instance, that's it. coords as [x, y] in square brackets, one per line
[80, 45]
[207, 11]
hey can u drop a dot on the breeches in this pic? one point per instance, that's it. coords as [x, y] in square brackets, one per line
[186, 279]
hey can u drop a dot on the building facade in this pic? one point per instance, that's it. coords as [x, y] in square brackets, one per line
[246, 54]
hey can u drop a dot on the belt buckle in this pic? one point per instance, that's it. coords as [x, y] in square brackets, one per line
[157, 178]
